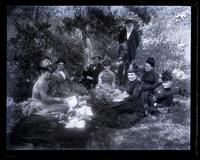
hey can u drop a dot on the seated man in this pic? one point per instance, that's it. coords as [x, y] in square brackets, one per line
[62, 82]
[36, 119]
[63, 85]
[55, 104]
[40, 98]
[90, 75]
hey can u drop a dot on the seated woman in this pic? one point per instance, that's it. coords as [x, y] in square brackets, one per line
[165, 93]
[124, 114]
[106, 82]
[150, 80]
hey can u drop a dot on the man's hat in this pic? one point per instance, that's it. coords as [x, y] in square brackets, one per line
[60, 60]
[151, 61]
[127, 21]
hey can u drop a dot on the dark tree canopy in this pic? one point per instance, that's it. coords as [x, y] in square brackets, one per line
[38, 31]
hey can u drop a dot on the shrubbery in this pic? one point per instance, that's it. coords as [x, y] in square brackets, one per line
[40, 31]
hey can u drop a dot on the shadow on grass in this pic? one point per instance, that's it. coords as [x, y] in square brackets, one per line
[168, 131]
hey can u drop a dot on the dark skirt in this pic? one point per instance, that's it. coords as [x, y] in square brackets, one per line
[120, 115]
[44, 131]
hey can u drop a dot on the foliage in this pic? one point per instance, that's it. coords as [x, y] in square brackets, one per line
[34, 32]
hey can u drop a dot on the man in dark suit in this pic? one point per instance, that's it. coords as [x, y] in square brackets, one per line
[128, 42]
[90, 75]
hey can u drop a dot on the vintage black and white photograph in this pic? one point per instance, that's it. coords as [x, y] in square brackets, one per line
[98, 77]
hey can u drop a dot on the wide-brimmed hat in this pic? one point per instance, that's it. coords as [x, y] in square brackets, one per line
[127, 21]
[60, 60]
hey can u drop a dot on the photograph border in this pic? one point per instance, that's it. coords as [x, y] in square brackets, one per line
[192, 153]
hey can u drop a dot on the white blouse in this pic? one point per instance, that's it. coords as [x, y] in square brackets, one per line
[63, 74]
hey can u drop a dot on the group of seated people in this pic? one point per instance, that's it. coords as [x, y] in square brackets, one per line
[54, 94]
[54, 90]
[144, 83]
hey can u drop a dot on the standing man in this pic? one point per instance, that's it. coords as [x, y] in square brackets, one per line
[128, 42]
[132, 38]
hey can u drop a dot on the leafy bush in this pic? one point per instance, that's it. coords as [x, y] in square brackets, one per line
[61, 32]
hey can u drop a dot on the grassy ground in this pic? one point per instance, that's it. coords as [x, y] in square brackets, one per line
[168, 131]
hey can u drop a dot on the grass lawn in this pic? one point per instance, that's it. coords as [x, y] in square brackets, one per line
[169, 131]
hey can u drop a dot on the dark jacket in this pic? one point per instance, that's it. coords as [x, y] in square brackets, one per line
[122, 35]
[92, 71]
[132, 42]
[164, 97]
[149, 80]
[134, 89]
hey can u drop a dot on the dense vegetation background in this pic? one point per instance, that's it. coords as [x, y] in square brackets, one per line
[71, 32]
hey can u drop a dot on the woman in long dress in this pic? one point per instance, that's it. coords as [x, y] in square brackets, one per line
[126, 113]
[106, 82]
